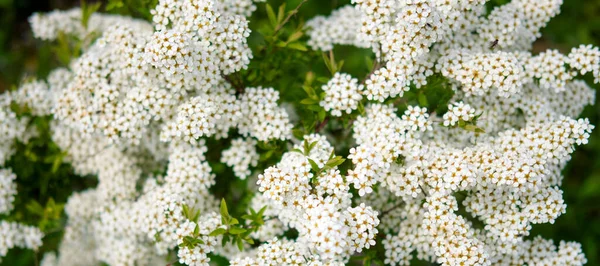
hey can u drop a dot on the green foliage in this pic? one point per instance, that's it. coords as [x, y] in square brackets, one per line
[87, 10]
[235, 232]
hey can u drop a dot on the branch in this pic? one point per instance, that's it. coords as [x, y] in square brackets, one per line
[292, 13]
[376, 65]
[239, 87]
[390, 209]
[321, 125]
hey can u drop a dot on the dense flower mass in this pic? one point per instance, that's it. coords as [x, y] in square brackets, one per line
[146, 103]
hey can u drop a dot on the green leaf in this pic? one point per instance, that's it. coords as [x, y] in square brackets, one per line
[224, 240]
[313, 165]
[196, 230]
[114, 4]
[315, 108]
[56, 164]
[191, 242]
[271, 15]
[295, 36]
[328, 64]
[249, 241]
[239, 243]
[339, 65]
[321, 115]
[186, 210]
[312, 146]
[281, 44]
[281, 14]
[293, 150]
[87, 11]
[298, 133]
[266, 155]
[297, 46]
[361, 108]
[309, 91]
[262, 210]
[35, 208]
[335, 161]
[474, 128]
[224, 212]
[309, 101]
[235, 230]
[218, 231]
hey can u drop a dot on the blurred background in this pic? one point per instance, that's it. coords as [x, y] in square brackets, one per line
[578, 23]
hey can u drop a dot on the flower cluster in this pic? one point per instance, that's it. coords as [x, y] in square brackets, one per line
[11, 128]
[156, 111]
[8, 190]
[342, 94]
[241, 156]
[458, 112]
[330, 227]
[18, 235]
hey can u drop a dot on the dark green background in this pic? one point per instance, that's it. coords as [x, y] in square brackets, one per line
[578, 23]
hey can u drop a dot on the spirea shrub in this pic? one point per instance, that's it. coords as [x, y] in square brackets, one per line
[211, 146]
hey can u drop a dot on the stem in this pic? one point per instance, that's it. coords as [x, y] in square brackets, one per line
[239, 87]
[390, 209]
[321, 125]
[292, 13]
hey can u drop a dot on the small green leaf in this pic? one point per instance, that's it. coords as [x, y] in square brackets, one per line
[224, 240]
[262, 210]
[297, 46]
[313, 165]
[235, 230]
[293, 150]
[295, 36]
[186, 210]
[218, 231]
[311, 146]
[281, 14]
[56, 164]
[239, 243]
[309, 91]
[224, 212]
[114, 4]
[474, 128]
[335, 161]
[339, 65]
[196, 230]
[87, 11]
[298, 133]
[361, 108]
[281, 44]
[271, 15]
[35, 208]
[321, 115]
[309, 101]
[327, 61]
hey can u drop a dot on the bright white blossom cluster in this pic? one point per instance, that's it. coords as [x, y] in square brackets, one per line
[18, 235]
[8, 190]
[458, 112]
[342, 94]
[241, 156]
[141, 105]
[11, 128]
